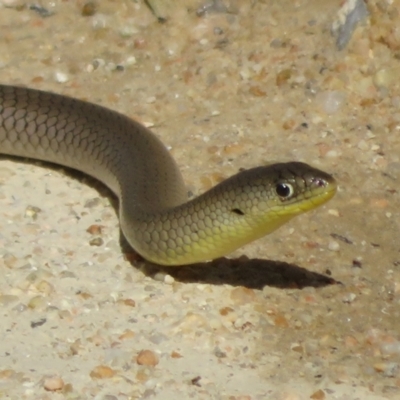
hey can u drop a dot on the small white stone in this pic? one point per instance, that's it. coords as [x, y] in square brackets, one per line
[330, 101]
[131, 60]
[169, 279]
[160, 276]
[333, 245]
[128, 31]
[245, 73]
[349, 298]
[61, 77]
[391, 348]
[332, 153]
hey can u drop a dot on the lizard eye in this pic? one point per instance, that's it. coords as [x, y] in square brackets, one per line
[284, 190]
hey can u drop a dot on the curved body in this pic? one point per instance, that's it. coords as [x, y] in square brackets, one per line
[155, 216]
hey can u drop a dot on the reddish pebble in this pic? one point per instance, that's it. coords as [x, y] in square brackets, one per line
[102, 372]
[225, 311]
[175, 354]
[318, 395]
[147, 357]
[95, 229]
[281, 321]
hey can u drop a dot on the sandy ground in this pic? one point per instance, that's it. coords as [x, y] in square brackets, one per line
[262, 81]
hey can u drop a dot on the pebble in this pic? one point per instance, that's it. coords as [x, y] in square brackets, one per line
[98, 241]
[334, 212]
[6, 374]
[38, 303]
[281, 321]
[160, 276]
[385, 77]
[242, 295]
[350, 341]
[349, 15]
[102, 372]
[391, 348]
[318, 395]
[234, 149]
[147, 357]
[89, 9]
[191, 322]
[53, 384]
[158, 338]
[9, 260]
[389, 369]
[297, 347]
[93, 202]
[76, 347]
[333, 245]
[131, 60]
[143, 374]
[349, 297]
[128, 334]
[32, 212]
[169, 280]
[61, 77]
[283, 76]
[129, 302]
[330, 101]
[44, 287]
[95, 229]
